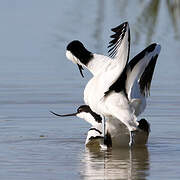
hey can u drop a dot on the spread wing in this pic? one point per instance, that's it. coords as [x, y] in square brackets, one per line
[116, 44]
[140, 71]
[119, 51]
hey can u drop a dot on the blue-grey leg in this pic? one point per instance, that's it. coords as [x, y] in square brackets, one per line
[131, 142]
[104, 127]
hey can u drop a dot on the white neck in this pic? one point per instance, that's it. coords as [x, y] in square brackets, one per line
[98, 64]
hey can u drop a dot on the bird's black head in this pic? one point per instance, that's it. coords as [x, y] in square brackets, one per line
[83, 108]
[77, 49]
[87, 109]
[80, 111]
[73, 46]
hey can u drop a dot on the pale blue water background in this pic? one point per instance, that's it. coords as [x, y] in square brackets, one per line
[36, 77]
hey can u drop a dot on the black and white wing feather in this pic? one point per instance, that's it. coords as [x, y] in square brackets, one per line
[119, 51]
[146, 78]
[140, 69]
[115, 44]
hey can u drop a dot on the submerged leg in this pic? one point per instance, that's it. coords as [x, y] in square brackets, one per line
[103, 145]
[104, 127]
[108, 140]
[131, 141]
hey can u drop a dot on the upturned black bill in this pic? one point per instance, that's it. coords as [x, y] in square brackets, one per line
[63, 115]
[80, 69]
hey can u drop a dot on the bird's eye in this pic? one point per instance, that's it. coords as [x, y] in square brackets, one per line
[79, 110]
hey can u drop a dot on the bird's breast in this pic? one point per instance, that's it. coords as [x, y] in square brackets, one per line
[94, 93]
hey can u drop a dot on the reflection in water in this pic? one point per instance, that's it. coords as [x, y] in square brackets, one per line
[99, 25]
[147, 20]
[116, 164]
[121, 6]
[149, 15]
[174, 13]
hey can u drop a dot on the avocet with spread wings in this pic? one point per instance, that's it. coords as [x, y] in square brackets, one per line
[118, 88]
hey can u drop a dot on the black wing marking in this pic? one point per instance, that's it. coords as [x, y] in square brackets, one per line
[141, 55]
[146, 78]
[145, 56]
[94, 129]
[115, 43]
[119, 84]
[95, 137]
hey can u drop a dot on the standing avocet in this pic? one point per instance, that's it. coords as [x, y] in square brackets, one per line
[113, 89]
[116, 134]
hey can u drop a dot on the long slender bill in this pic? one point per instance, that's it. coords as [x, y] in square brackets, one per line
[63, 115]
[80, 69]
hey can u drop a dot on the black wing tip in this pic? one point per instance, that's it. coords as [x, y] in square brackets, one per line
[146, 78]
[115, 29]
[149, 49]
[117, 38]
[154, 46]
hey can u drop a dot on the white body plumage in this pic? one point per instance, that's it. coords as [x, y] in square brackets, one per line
[117, 89]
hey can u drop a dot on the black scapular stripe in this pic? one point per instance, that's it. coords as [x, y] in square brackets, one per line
[95, 137]
[94, 129]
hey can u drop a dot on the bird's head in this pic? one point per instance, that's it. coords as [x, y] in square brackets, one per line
[85, 113]
[78, 54]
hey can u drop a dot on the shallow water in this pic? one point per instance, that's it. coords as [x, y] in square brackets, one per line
[35, 77]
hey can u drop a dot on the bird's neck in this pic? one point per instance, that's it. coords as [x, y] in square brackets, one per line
[97, 64]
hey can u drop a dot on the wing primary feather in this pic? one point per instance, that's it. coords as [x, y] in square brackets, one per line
[112, 42]
[146, 78]
[117, 38]
[114, 49]
[119, 27]
[140, 56]
[120, 83]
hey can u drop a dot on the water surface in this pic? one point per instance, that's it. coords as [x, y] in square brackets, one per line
[35, 77]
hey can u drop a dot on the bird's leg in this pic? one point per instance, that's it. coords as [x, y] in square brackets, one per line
[131, 135]
[104, 127]
[103, 145]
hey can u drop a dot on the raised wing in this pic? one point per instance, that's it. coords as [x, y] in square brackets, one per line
[120, 48]
[146, 78]
[116, 44]
[140, 71]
